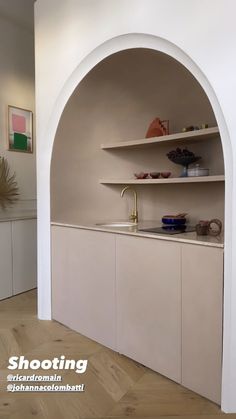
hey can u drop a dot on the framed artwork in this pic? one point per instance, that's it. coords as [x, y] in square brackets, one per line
[20, 130]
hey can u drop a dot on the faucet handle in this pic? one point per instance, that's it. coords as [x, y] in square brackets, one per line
[134, 216]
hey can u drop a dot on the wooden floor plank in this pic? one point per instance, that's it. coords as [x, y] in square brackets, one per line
[115, 386]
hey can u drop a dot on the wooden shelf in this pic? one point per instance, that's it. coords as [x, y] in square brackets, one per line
[198, 135]
[200, 179]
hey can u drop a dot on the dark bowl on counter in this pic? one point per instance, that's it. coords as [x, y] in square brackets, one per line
[172, 220]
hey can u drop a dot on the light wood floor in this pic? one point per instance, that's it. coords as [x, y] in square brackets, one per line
[115, 386]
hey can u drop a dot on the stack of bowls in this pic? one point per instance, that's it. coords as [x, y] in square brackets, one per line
[174, 222]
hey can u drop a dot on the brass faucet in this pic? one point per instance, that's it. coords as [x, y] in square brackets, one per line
[134, 214]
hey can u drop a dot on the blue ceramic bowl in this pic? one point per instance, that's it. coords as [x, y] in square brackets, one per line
[173, 221]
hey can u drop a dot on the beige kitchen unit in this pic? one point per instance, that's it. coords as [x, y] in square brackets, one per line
[149, 303]
[24, 255]
[202, 297]
[6, 260]
[155, 299]
[83, 282]
[18, 255]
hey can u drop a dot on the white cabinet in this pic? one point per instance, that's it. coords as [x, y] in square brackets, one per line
[24, 255]
[83, 282]
[202, 295]
[149, 303]
[18, 256]
[5, 260]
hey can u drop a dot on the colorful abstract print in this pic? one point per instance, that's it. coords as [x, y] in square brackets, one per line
[20, 136]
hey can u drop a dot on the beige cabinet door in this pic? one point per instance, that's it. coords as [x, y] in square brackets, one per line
[83, 282]
[202, 289]
[149, 303]
[5, 260]
[24, 255]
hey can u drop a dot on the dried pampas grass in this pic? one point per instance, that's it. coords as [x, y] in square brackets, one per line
[8, 185]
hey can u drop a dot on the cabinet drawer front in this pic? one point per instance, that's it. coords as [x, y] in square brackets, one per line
[83, 282]
[202, 293]
[24, 248]
[5, 260]
[149, 303]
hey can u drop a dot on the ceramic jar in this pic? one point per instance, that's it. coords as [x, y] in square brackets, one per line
[212, 227]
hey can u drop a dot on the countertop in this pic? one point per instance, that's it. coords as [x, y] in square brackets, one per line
[15, 215]
[190, 238]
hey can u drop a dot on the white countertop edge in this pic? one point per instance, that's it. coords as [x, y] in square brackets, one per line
[125, 231]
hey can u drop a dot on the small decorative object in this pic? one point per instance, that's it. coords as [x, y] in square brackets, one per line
[8, 186]
[202, 228]
[141, 175]
[198, 171]
[179, 219]
[184, 158]
[158, 128]
[190, 128]
[155, 175]
[212, 227]
[20, 130]
[165, 175]
[194, 127]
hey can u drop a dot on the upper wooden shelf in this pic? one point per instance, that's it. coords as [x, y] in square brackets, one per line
[194, 179]
[198, 135]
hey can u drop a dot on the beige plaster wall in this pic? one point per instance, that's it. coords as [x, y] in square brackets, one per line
[115, 102]
[17, 89]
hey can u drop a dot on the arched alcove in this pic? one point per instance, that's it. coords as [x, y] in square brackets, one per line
[116, 101]
[44, 159]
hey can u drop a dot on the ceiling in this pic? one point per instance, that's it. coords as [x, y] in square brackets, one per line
[19, 11]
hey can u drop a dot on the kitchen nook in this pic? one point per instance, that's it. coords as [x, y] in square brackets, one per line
[137, 221]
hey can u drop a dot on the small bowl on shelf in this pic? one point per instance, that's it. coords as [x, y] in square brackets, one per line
[176, 220]
[141, 175]
[165, 175]
[155, 175]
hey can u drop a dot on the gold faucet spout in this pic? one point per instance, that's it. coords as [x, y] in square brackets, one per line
[134, 215]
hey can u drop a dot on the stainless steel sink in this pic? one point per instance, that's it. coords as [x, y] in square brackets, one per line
[117, 224]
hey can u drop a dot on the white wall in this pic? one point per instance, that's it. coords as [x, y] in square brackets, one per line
[73, 36]
[17, 89]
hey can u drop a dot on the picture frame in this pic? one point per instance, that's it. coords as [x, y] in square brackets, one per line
[20, 129]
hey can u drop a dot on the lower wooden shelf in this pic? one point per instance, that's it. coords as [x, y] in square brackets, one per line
[199, 179]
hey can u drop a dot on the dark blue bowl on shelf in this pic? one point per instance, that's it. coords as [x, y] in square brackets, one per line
[168, 220]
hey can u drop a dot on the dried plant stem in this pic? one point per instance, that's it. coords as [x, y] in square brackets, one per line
[8, 185]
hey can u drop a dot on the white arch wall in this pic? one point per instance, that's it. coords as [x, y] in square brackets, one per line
[72, 36]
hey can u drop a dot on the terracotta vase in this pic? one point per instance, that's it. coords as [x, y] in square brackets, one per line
[158, 128]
